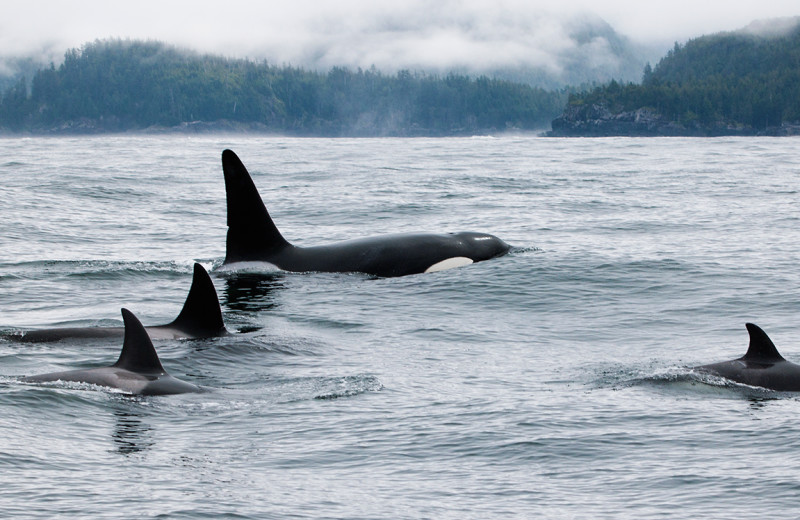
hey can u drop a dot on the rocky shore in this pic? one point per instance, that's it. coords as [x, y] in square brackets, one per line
[596, 120]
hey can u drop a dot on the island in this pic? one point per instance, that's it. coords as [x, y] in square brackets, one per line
[745, 82]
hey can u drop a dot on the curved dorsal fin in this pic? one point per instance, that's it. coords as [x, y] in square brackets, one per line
[761, 347]
[138, 353]
[251, 233]
[201, 314]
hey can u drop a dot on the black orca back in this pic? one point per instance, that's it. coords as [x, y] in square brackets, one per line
[138, 354]
[201, 315]
[761, 348]
[251, 232]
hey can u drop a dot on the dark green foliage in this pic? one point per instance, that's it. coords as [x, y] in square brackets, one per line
[736, 79]
[15, 105]
[123, 85]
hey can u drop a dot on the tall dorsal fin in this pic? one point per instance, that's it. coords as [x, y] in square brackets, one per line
[251, 233]
[201, 314]
[761, 347]
[138, 353]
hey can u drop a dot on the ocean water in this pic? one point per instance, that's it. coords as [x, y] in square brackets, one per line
[554, 382]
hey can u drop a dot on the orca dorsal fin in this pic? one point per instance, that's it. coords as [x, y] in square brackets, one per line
[201, 314]
[761, 347]
[138, 353]
[252, 235]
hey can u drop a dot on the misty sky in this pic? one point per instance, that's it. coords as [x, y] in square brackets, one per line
[390, 35]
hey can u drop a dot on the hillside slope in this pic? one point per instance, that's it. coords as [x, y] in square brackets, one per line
[121, 85]
[741, 83]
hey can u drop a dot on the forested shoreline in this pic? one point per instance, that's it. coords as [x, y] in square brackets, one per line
[737, 83]
[123, 85]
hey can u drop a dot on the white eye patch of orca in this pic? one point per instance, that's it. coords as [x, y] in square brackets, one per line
[449, 263]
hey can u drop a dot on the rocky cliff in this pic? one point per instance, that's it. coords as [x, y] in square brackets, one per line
[596, 120]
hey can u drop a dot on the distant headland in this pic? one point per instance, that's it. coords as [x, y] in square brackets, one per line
[745, 82]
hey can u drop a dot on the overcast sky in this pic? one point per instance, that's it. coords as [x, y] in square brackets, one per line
[389, 35]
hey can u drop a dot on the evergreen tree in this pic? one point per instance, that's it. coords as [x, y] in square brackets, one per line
[123, 84]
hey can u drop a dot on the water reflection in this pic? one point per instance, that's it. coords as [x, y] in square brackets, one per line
[131, 435]
[759, 402]
[252, 292]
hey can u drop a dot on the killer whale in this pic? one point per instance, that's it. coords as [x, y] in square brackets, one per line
[137, 371]
[253, 236]
[200, 317]
[761, 366]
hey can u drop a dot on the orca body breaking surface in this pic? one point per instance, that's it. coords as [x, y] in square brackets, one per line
[201, 317]
[253, 236]
[137, 371]
[761, 366]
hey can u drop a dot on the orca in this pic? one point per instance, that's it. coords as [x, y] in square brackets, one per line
[201, 317]
[761, 366]
[253, 237]
[137, 371]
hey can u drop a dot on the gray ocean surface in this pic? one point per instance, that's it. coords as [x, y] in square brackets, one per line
[554, 382]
